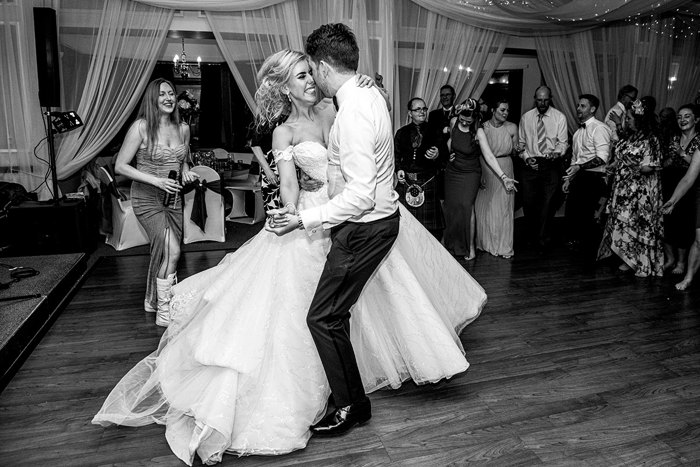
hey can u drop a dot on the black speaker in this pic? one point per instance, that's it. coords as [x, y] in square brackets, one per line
[47, 57]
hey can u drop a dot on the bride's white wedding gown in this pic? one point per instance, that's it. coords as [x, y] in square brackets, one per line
[237, 369]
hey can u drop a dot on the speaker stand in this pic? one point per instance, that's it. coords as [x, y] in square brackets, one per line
[52, 157]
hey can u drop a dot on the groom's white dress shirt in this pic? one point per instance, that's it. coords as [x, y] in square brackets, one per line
[360, 162]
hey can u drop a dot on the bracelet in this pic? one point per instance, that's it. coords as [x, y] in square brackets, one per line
[300, 223]
[503, 176]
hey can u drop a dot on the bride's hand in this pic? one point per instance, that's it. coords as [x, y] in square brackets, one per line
[272, 226]
[279, 217]
[365, 81]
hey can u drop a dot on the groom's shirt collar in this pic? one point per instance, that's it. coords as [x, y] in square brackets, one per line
[345, 90]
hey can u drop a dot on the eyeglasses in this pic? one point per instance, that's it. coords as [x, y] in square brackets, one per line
[420, 109]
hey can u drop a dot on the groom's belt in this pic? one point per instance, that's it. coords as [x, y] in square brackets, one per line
[389, 217]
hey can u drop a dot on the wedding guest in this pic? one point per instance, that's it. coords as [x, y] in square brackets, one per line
[543, 140]
[688, 186]
[417, 164]
[439, 124]
[585, 178]
[634, 229]
[467, 144]
[160, 143]
[679, 139]
[494, 205]
[616, 117]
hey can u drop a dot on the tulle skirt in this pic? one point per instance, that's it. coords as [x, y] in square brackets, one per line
[237, 371]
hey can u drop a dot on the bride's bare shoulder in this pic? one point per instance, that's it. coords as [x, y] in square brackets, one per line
[282, 137]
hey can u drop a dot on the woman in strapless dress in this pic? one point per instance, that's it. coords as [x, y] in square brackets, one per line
[160, 143]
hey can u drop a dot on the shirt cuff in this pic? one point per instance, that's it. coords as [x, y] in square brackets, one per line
[311, 218]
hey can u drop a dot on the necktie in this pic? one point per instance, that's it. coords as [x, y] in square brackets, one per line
[541, 135]
[582, 125]
[335, 103]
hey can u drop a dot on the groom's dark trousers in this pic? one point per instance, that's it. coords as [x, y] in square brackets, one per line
[356, 251]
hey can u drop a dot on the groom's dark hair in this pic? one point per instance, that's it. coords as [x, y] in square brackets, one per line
[334, 44]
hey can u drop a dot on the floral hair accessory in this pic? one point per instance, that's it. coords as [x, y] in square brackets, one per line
[638, 107]
[469, 104]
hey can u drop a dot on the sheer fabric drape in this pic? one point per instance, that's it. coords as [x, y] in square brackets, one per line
[21, 121]
[569, 67]
[601, 61]
[123, 51]
[246, 38]
[449, 52]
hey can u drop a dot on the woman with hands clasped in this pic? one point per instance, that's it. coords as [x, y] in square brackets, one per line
[689, 150]
[467, 144]
[160, 143]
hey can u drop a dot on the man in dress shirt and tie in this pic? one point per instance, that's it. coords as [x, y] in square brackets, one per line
[543, 141]
[585, 178]
[616, 116]
[362, 216]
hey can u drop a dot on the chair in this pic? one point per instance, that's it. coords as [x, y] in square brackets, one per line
[127, 231]
[246, 201]
[214, 228]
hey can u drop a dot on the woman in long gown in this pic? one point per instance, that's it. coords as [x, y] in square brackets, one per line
[493, 209]
[160, 143]
[237, 371]
[634, 230]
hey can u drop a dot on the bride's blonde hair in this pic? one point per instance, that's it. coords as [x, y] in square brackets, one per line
[273, 104]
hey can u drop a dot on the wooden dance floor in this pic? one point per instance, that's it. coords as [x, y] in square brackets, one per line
[570, 366]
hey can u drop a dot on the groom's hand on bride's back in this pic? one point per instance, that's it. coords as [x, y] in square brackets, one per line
[309, 184]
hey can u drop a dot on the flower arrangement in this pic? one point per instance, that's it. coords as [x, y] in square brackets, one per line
[188, 106]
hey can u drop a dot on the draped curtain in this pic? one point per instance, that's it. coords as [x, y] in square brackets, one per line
[109, 48]
[601, 61]
[569, 68]
[121, 52]
[449, 52]
[247, 37]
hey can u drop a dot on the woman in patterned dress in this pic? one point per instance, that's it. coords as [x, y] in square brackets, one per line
[634, 231]
[160, 143]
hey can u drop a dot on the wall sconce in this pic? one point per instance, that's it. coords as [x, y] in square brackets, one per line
[182, 68]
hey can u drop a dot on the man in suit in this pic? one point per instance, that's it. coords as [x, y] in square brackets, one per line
[362, 217]
[439, 125]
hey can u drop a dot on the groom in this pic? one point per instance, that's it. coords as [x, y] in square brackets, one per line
[362, 217]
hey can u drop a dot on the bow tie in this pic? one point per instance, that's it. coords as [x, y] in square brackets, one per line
[582, 125]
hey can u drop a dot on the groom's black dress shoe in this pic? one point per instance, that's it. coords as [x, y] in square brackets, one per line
[343, 418]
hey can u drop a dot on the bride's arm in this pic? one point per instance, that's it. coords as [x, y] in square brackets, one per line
[289, 186]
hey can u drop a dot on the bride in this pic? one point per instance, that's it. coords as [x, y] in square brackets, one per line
[237, 371]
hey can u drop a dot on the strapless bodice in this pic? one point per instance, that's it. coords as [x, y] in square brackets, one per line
[309, 156]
